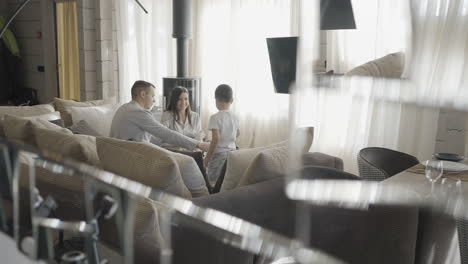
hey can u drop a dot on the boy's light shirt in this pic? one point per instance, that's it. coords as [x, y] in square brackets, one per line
[227, 124]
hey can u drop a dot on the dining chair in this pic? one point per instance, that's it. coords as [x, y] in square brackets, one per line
[377, 164]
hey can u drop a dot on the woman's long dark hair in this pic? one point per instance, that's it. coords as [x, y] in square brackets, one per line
[172, 107]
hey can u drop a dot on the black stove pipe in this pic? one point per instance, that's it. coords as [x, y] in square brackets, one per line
[182, 31]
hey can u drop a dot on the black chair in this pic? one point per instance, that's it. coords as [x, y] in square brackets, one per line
[377, 164]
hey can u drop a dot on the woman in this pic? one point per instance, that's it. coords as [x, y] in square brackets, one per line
[179, 116]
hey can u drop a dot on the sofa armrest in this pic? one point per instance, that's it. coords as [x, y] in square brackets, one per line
[322, 159]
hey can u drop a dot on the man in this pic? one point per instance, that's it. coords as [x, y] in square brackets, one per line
[134, 121]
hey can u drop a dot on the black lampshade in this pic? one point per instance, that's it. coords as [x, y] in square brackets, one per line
[336, 14]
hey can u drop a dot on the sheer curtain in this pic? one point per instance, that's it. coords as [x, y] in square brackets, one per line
[360, 112]
[146, 49]
[440, 63]
[229, 46]
[382, 27]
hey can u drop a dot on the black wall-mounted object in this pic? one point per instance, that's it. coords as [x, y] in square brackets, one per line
[282, 52]
[334, 14]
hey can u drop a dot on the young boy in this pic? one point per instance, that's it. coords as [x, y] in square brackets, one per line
[224, 128]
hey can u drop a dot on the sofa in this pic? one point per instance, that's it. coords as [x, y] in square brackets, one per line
[253, 191]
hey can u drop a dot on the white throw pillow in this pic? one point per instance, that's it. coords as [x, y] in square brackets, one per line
[63, 106]
[100, 117]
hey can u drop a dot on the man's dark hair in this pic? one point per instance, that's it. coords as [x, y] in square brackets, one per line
[139, 86]
[223, 93]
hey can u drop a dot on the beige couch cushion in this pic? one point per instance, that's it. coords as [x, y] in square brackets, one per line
[389, 66]
[142, 162]
[268, 164]
[78, 147]
[22, 129]
[63, 106]
[23, 111]
[237, 163]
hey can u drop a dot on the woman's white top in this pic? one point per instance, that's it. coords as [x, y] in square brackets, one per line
[193, 130]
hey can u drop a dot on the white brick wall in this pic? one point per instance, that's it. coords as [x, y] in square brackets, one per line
[104, 47]
[115, 59]
[87, 49]
[98, 65]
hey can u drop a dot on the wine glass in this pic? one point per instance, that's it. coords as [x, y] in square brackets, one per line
[433, 171]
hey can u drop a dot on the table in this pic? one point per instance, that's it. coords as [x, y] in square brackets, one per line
[432, 226]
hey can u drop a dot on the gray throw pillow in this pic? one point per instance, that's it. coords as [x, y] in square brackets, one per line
[83, 128]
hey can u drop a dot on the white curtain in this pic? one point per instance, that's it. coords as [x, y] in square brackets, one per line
[146, 49]
[347, 120]
[360, 112]
[229, 46]
[382, 27]
[440, 59]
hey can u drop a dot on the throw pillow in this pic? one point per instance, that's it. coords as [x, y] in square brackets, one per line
[63, 106]
[30, 115]
[238, 162]
[141, 162]
[78, 147]
[100, 116]
[83, 128]
[268, 164]
[22, 129]
[389, 66]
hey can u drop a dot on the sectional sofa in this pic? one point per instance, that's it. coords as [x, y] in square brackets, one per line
[253, 190]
